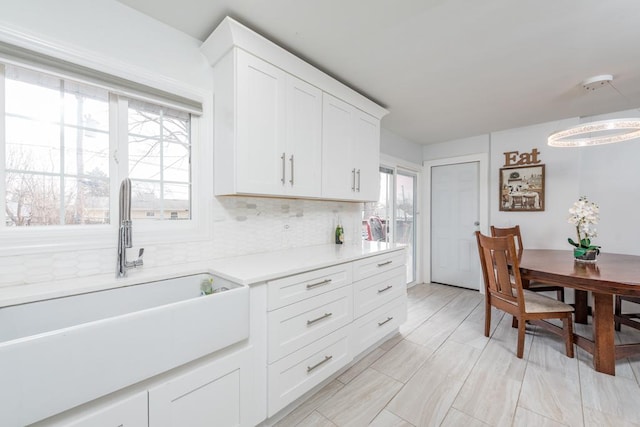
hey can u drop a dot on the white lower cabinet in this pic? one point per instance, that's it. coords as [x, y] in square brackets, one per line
[372, 327]
[127, 412]
[317, 321]
[297, 373]
[211, 395]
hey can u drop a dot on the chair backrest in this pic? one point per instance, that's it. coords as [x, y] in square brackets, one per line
[504, 232]
[377, 229]
[501, 271]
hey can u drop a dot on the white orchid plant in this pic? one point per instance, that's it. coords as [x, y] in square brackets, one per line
[584, 215]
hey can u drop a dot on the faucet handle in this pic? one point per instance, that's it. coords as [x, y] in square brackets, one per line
[139, 261]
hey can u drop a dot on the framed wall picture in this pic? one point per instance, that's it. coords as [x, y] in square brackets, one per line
[522, 189]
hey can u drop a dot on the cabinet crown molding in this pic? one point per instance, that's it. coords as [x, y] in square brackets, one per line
[230, 33]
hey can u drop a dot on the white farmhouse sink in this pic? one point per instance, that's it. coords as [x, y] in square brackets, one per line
[60, 353]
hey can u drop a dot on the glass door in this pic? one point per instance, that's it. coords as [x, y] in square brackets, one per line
[377, 216]
[405, 220]
[393, 217]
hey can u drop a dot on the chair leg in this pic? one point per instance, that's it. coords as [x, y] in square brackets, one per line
[567, 327]
[521, 330]
[487, 317]
[616, 312]
[560, 294]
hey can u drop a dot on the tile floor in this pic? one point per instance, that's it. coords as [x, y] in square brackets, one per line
[440, 370]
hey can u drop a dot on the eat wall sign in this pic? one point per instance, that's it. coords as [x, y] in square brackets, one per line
[516, 158]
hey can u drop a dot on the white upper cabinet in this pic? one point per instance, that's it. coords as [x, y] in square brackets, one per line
[366, 158]
[267, 136]
[303, 136]
[277, 129]
[260, 122]
[350, 152]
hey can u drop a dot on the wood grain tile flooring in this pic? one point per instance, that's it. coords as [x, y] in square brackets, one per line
[440, 370]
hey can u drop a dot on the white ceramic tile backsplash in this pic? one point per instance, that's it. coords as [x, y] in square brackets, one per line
[241, 225]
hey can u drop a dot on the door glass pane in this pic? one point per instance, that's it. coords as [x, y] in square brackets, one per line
[376, 216]
[405, 230]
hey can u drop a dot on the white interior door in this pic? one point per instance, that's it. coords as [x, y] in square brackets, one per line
[455, 216]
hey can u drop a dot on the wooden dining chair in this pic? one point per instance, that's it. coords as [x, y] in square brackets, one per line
[532, 286]
[629, 319]
[503, 290]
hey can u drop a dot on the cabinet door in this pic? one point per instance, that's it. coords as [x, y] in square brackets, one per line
[260, 150]
[304, 144]
[128, 412]
[338, 170]
[366, 155]
[212, 395]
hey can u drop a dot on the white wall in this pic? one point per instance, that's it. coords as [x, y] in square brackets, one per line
[114, 38]
[548, 229]
[607, 175]
[396, 146]
[456, 148]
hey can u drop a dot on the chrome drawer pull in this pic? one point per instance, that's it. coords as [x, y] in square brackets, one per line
[389, 319]
[385, 289]
[322, 362]
[283, 166]
[382, 264]
[314, 285]
[311, 322]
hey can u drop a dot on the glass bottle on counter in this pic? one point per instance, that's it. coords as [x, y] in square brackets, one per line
[339, 234]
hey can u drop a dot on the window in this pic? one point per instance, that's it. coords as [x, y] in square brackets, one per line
[57, 143]
[159, 161]
[56, 150]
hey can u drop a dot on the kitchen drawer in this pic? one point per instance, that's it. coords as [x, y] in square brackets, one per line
[371, 266]
[294, 375]
[288, 290]
[127, 411]
[377, 324]
[302, 323]
[377, 290]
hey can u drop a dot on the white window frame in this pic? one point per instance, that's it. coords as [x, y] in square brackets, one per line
[54, 238]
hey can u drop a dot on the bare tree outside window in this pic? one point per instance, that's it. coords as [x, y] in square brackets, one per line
[56, 150]
[159, 162]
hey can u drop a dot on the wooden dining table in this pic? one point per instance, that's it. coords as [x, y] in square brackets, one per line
[611, 274]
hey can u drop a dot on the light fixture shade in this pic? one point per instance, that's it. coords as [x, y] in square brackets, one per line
[596, 133]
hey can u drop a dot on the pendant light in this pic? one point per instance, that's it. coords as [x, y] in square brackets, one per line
[599, 132]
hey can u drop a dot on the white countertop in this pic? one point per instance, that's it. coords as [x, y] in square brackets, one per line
[250, 269]
[245, 270]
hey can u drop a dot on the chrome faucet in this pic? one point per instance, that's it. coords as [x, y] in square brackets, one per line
[124, 231]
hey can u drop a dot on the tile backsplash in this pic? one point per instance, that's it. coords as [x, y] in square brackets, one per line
[241, 225]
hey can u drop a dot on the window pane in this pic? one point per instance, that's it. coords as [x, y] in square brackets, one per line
[86, 107]
[32, 145]
[33, 95]
[406, 188]
[86, 152]
[46, 116]
[86, 200]
[376, 216]
[146, 202]
[176, 197]
[159, 161]
[176, 162]
[32, 199]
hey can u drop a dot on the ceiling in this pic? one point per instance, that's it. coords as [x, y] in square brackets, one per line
[448, 69]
